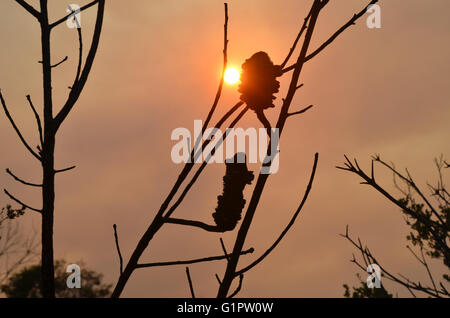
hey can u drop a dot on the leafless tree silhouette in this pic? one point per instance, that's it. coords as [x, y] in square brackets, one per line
[429, 223]
[49, 126]
[169, 205]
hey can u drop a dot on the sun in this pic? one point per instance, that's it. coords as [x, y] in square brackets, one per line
[231, 76]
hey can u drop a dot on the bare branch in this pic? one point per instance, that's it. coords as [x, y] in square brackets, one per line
[192, 261]
[224, 67]
[222, 244]
[334, 36]
[350, 167]
[203, 165]
[291, 222]
[59, 63]
[299, 35]
[38, 120]
[300, 111]
[20, 202]
[80, 56]
[116, 238]
[194, 153]
[199, 224]
[238, 289]
[424, 262]
[79, 85]
[22, 181]
[65, 169]
[30, 9]
[17, 129]
[407, 283]
[190, 282]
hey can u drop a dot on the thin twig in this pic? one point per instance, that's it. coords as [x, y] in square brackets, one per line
[20, 202]
[291, 222]
[299, 35]
[83, 76]
[300, 111]
[334, 36]
[190, 282]
[407, 283]
[192, 261]
[224, 67]
[65, 169]
[409, 181]
[203, 165]
[22, 181]
[17, 129]
[222, 244]
[349, 166]
[424, 262]
[199, 224]
[38, 120]
[59, 63]
[116, 238]
[238, 288]
[80, 54]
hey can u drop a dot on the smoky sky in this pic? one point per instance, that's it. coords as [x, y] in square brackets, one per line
[157, 68]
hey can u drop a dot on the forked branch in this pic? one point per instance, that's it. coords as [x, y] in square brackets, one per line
[38, 120]
[22, 139]
[82, 78]
[351, 22]
[30, 9]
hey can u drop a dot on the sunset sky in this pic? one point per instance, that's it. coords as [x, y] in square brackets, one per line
[157, 68]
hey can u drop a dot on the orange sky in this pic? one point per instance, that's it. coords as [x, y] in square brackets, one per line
[375, 91]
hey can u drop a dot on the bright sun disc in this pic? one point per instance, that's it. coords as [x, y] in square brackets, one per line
[232, 76]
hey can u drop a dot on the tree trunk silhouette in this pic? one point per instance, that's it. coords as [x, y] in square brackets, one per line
[51, 124]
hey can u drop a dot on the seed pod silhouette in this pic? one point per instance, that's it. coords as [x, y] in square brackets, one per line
[231, 202]
[258, 82]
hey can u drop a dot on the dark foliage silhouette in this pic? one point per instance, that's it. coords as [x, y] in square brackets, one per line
[365, 292]
[26, 283]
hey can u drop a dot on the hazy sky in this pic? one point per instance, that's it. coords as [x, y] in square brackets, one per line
[157, 68]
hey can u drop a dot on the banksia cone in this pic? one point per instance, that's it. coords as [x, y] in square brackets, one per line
[258, 81]
[231, 202]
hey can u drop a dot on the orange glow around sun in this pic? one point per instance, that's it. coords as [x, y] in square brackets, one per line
[231, 76]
